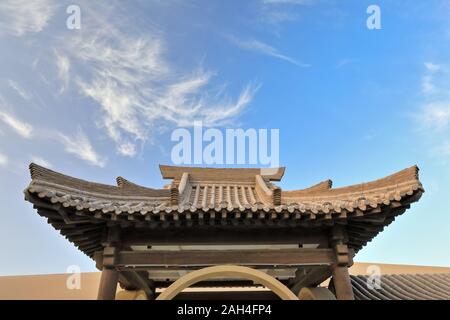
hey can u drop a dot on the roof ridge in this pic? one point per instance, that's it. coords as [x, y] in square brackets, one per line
[321, 186]
[405, 176]
[125, 183]
[41, 174]
[215, 173]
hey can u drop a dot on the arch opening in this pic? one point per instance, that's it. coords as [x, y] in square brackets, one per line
[228, 271]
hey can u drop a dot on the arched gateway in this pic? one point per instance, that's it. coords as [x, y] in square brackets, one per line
[258, 277]
[146, 238]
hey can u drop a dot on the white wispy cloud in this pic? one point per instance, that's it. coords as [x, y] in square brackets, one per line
[276, 12]
[41, 161]
[19, 17]
[63, 66]
[263, 48]
[428, 84]
[428, 79]
[127, 73]
[432, 66]
[229, 109]
[80, 146]
[127, 149]
[343, 62]
[442, 150]
[277, 17]
[20, 91]
[435, 115]
[3, 160]
[139, 90]
[20, 127]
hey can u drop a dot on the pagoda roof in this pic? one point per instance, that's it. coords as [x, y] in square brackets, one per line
[227, 197]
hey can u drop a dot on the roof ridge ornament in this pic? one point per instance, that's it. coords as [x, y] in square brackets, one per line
[221, 174]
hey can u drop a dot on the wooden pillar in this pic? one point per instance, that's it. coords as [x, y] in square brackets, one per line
[106, 261]
[342, 284]
[108, 284]
[343, 260]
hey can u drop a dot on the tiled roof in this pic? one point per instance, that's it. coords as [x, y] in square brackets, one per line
[403, 287]
[227, 197]
[187, 194]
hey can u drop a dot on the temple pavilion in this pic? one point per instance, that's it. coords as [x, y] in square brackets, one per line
[221, 227]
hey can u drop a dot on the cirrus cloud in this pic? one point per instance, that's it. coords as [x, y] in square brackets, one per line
[19, 17]
[139, 91]
[3, 160]
[80, 146]
[263, 48]
[20, 127]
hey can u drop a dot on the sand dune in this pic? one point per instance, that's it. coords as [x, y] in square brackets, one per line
[53, 286]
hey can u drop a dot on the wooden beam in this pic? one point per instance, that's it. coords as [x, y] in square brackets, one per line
[282, 257]
[217, 235]
[135, 280]
[227, 295]
[310, 277]
[216, 283]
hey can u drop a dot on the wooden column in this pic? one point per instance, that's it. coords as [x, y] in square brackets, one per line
[342, 284]
[108, 284]
[343, 259]
[106, 261]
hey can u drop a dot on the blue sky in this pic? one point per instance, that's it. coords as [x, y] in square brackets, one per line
[351, 104]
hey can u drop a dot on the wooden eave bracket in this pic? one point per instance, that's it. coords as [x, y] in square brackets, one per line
[106, 258]
[344, 255]
[109, 257]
